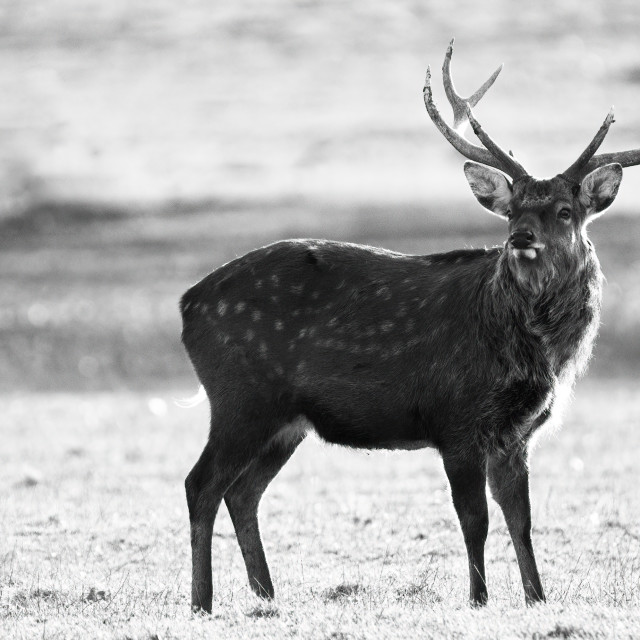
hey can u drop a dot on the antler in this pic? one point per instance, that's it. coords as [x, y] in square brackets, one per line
[459, 104]
[587, 162]
[492, 155]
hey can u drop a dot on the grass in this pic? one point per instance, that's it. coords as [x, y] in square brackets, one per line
[95, 543]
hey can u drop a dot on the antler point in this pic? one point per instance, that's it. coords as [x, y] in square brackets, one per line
[449, 53]
[610, 119]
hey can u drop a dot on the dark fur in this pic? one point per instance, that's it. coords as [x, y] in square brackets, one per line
[381, 350]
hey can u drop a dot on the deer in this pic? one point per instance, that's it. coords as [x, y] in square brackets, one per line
[468, 352]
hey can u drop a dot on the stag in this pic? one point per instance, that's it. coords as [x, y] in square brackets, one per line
[467, 352]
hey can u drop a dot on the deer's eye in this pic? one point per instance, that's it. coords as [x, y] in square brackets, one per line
[509, 215]
[564, 214]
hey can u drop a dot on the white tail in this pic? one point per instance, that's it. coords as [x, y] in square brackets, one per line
[193, 401]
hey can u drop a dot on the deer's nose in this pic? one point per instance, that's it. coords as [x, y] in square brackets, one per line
[521, 239]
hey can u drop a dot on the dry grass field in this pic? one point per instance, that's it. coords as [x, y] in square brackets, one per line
[143, 144]
[95, 539]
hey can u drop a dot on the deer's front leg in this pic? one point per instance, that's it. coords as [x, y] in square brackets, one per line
[509, 482]
[468, 489]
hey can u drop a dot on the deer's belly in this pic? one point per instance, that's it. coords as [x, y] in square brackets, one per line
[347, 436]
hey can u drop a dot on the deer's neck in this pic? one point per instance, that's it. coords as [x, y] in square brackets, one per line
[554, 330]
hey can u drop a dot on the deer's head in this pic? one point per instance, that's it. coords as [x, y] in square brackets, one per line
[547, 218]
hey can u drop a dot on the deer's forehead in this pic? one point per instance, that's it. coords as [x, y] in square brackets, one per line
[534, 194]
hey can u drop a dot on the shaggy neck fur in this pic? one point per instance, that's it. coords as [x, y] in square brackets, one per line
[550, 331]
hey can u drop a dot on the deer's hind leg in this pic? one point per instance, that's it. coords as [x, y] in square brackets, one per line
[242, 500]
[236, 439]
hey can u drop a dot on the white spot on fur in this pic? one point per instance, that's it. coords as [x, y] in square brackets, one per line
[240, 307]
[275, 280]
[297, 288]
[278, 325]
[384, 292]
[258, 284]
[386, 327]
[302, 333]
[262, 349]
[222, 308]
[315, 295]
[256, 314]
[249, 335]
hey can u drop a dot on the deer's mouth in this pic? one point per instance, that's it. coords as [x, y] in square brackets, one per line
[528, 253]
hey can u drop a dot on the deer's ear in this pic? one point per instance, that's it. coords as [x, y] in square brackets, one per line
[600, 188]
[490, 187]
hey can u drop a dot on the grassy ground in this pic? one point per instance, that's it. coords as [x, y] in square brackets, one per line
[94, 531]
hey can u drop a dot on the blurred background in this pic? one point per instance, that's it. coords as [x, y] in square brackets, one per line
[143, 144]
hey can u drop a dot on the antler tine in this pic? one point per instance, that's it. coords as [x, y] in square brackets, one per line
[460, 144]
[513, 167]
[585, 161]
[458, 103]
[627, 158]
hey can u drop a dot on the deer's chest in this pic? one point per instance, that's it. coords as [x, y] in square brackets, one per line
[521, 408]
